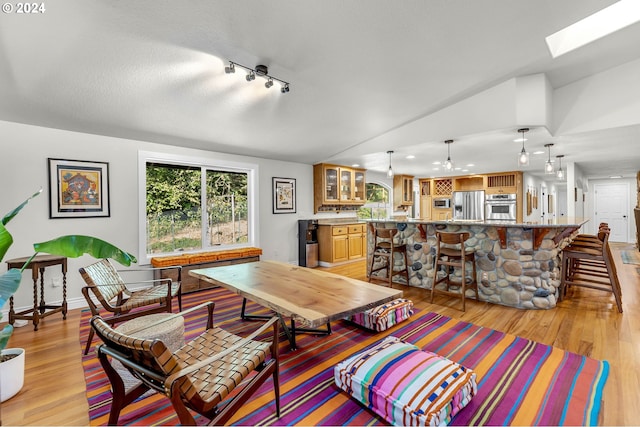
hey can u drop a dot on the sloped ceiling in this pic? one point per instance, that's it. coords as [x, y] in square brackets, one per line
[364, 75]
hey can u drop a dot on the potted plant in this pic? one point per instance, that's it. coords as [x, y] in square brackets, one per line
[12, 360]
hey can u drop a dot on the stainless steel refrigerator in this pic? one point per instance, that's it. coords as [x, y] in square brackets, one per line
[468, 205]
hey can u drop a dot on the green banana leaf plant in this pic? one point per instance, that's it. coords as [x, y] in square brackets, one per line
[69, 246]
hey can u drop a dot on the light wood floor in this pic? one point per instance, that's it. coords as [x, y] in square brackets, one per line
[586, 323]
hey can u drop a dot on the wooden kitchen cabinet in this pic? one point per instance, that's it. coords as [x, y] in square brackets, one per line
[506, 182]
[357, 241]
[426, 203]
[442, 187]
[402, 191]
[340, 243]
[335, 186]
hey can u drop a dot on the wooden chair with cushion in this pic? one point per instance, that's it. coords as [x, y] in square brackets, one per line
[384, 249]
[451, 253]
[106, 288]
[201, 376]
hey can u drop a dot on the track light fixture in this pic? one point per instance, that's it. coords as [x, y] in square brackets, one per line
[390, 171]
[260, 70]
[560, 173]
[448, 164]
[548, 166]
[523, 157]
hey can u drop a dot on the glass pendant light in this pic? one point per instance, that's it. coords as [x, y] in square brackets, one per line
[548, 166]
[560, 172]
[390, 171]
[523, 157]
[448, 164]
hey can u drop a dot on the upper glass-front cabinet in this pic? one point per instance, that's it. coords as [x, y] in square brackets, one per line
[331, 184]
[346, 177]
[338, 186]
[359, 187]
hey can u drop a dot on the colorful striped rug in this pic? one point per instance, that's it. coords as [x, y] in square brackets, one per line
[520, 382]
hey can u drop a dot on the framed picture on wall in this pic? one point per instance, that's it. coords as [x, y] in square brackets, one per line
[284, 195]
[78, 189]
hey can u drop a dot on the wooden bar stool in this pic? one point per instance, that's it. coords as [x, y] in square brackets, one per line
[384, 248]
[452, 253]
[590, 266]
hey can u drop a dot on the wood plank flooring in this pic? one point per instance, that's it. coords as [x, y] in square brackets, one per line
[586, 323]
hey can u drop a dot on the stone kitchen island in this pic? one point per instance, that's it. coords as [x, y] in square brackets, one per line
[518, 265]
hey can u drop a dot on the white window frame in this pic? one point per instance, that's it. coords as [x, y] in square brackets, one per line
[253, 190]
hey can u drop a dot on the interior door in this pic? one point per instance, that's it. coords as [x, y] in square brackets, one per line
[612, 206]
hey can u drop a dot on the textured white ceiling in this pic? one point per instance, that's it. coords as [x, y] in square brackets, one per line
[360, 70]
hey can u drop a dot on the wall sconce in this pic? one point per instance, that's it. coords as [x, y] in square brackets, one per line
[260, 70]
[523, 157]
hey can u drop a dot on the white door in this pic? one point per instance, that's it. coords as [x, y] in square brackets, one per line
[612, 206]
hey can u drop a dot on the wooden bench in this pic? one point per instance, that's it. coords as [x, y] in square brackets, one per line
[202, 260]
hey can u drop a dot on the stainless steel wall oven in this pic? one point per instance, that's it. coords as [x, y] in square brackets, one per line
[500, 207]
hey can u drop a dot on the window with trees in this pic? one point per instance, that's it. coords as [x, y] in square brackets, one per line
[377, 206]
[196, 207]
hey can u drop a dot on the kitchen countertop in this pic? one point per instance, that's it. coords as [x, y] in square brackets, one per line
[340, 221]
[552, 223]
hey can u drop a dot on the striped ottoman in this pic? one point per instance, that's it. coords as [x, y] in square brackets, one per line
[405, 385]
[384, 316]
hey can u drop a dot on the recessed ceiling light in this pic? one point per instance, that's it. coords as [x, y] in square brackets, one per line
[615, 176]
[411, 156]
[470, 165]
[436, 163]
[456, 169]
[538, 152]
[436, 169]
[465, 170]
[520, 140]
[355, 165]
[602, 23]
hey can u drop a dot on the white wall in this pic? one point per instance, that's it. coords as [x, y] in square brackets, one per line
[23, 170]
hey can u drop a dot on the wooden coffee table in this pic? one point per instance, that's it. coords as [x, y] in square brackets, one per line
[308, 296]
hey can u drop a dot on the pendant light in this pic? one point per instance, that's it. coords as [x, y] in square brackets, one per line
[560, 172]
[448, 165]
[390, 171]
[548, 166]
[523, 157]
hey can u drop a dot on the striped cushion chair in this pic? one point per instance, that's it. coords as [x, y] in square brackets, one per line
[106, 287]
[405, 385]
[200, 376]
[384, 316]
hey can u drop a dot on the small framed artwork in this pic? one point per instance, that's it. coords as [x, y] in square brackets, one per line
[78, 189]
[284, 195]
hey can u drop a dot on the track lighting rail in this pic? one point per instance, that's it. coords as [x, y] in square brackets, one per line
[260, 70]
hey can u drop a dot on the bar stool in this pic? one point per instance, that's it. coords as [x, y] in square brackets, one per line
[452, 253]
[591, 266]
[384, 248]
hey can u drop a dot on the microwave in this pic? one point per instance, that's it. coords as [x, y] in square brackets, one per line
[442, 203]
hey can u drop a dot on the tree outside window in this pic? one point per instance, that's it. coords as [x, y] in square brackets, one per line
[174, 215]
[377, 206]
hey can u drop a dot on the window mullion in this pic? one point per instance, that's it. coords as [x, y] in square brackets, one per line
[203, 208]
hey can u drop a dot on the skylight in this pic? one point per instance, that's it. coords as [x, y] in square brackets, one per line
[607, 21]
